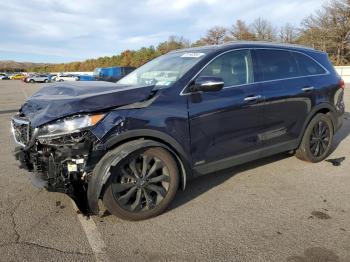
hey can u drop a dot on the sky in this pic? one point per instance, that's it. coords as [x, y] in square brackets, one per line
[75, 30]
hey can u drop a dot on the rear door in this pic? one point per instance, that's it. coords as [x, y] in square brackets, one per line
[288, 96]
[226, 123]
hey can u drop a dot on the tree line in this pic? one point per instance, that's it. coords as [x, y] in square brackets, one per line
[328, 29]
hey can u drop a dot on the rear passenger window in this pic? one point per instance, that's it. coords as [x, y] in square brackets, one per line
[307, 66]
[276, 64]
[235, 68]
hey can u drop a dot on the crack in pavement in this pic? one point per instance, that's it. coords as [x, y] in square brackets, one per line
[45, 247]
[18, 235]
[13, 221]
[41, 219]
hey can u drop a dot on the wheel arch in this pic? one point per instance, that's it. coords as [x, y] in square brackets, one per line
[323, 108]
[115, 140]
[127, 144]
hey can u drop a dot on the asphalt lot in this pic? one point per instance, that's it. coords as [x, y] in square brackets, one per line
[275, 209]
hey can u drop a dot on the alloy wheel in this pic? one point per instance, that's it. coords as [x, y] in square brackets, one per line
[141, 183]
[319, 138]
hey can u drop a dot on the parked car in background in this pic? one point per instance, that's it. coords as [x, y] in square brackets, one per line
[111, 74]
[52, 77]
[43, 78]
[4, 76]
[190, 112]
[17, 77]
[69, 77]
[25, 78]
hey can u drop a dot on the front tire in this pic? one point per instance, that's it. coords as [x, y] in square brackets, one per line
[317, 141]
[142, 185]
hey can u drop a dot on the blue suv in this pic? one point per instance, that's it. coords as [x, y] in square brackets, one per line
[190, 112]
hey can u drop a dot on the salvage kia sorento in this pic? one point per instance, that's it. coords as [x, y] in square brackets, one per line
[134, 143]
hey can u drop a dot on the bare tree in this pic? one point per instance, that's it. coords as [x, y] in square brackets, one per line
[263, 30]
[173, 43]
[240, 31]
[329, 30]
[214, 36]
[288, 33]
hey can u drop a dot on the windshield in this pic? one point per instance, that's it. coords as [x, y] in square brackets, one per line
[164, 70]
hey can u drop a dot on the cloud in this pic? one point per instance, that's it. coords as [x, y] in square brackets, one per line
[76, 30]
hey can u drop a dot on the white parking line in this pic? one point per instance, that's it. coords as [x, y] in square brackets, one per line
[96, 242]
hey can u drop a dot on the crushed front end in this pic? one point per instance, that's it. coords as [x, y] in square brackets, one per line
[61, 155]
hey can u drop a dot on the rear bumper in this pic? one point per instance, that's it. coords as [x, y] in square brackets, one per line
[340, 109]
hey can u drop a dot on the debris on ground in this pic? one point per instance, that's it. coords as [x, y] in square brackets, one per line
[336, 161]
[320, 215]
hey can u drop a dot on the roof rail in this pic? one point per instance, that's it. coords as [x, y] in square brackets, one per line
[267, 43]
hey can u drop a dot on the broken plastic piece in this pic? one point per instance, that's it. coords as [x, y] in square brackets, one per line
[336, 161]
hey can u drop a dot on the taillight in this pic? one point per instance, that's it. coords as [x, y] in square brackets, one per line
[342, 83]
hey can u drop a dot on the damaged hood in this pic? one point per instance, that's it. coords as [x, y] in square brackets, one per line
[64, 99]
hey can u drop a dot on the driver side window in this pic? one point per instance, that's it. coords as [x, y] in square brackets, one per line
[235, 68]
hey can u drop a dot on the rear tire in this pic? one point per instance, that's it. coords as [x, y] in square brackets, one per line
[32, 81]
[142, 185]
[317, 141]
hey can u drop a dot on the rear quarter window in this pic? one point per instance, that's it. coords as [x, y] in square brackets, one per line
[276, 64]
[307, 65]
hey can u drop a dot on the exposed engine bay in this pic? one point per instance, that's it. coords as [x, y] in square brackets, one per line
[63, 163]
[54, 132]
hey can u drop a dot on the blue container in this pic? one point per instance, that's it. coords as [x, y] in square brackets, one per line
[112, 74]
[86, 78]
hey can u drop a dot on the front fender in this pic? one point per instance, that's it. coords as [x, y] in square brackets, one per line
[100, 173]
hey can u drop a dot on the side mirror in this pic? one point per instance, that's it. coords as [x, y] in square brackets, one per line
[207, 84]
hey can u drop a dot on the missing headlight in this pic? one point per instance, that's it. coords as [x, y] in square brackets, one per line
[67, 139]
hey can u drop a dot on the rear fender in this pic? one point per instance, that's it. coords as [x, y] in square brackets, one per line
[318, 108]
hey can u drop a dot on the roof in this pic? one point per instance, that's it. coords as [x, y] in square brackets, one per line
[251, 44]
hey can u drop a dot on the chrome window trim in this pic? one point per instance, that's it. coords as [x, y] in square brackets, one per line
[182, 93]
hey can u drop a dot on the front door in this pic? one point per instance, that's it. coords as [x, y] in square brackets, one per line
[226, 123]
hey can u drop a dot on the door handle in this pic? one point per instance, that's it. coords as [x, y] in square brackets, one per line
[252, 98]
[308, 88]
